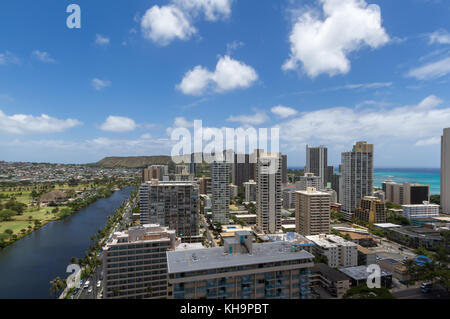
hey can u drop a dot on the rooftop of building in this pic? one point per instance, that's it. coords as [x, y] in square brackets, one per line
[143, 233]
[356, 236]
[387, 225]
[442, 219]
[170, 183]
[364, 250]
[312, 191]
[330, 273]
[291, 238]
[425, 204]
[422, 232]
[213, 258]
[330, 241]
[360, 272]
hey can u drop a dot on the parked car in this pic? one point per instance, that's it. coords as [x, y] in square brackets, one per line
[86, 284]
[99, 283]
[90, 290]
[425, 287]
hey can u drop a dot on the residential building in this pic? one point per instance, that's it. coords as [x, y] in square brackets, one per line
[243, 169]
[445, 171]
[250, 191]
[220, 180]
[288, 198]
[240, 270]
[312, 212]
[339, 252]
[154, 172]
[366, 257]
[398, 269]
[330, 173]
[234, 191]
[332, 280]
[371, 210]
[248, 219]
[356, 177]
[317, 162]
[135, 263]
[268, 193]
[171, 204]
[205, 185]
[415, 212]
[332, 193]
[182, 169]
[380, 195]
[406, 193]
[359, 275]
[335, 180]
[284, 177]
[309, 180]
[416, 237]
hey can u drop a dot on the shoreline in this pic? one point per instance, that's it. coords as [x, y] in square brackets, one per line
[43, 223]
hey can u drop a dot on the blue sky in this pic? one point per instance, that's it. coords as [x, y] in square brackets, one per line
[324, 71]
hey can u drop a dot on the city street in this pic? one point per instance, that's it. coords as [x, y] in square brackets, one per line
[416, 293]
[208, 231]
[84, 293]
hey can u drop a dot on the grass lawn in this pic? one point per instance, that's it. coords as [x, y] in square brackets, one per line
[18, 223]
[42, 214]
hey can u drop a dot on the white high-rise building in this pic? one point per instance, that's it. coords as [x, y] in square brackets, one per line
[268, 193]
[356, 177]
[309, 180]
[220, 199]
[317, 163]
[250, 191]
[445, 171]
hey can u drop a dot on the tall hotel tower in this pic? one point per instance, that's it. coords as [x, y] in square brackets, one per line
[316, 162]
[357, 177]
[220, 181]
[268, 193]
[445, 171]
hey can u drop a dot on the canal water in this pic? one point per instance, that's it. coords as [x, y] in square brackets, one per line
[28, 266]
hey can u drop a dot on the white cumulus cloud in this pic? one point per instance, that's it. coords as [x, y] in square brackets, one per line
[212, 9]
[283, 111]
[229, 75]
[440, 36]
[322, 45]
[28, 124]
[176, 20]
[164, 24]
[118, 124]
[418, 124]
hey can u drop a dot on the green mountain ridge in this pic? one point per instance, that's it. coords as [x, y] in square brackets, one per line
[133, 161]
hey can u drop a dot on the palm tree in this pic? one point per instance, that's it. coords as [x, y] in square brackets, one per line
[57, 285]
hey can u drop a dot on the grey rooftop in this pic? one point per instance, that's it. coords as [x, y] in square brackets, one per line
[212, 258]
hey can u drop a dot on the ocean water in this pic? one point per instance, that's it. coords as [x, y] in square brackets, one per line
[428, 176]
